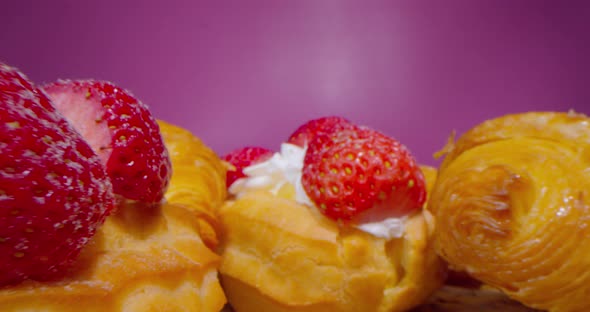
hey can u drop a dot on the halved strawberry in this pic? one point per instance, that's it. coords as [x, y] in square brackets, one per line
[54, 192]
[318, 127]
[362, 175]
[242, 158]
[122, 131]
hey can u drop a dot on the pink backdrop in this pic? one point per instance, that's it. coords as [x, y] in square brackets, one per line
[248, 72]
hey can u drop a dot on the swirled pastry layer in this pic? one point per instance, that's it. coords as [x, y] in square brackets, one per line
[511, 208]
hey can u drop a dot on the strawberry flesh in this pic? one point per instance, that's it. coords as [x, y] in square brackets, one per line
[122, 131]
[54, 191]
[362, 175]
[242, 158]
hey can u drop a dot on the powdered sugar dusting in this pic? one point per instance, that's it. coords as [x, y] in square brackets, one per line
[54, 192]
[88, 120]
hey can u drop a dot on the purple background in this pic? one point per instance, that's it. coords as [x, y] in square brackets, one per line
[249, 72]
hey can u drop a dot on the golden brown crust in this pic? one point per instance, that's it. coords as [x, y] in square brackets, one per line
[568, 129]
[511, 207]
[430, 174]
[280, 256]
[191, 158]
[136, 262]
[142, 258]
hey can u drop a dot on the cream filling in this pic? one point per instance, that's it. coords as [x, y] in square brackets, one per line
[285, 167]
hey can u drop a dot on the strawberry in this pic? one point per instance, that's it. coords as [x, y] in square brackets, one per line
[54, 192]
[318, 127]
[122, 131]
[362, 175]
[242, 158]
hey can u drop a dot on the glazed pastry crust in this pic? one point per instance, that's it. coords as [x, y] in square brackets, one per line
[146, 258]
[279, 255]
[511, 208]
[200, 180]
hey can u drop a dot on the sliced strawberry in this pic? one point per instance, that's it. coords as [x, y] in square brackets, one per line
[362, 175]
[122, 131]
[54, 192]
[242, 158]
[318, 127]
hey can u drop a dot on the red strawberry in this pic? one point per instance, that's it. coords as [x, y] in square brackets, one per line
[54, 192]
[122, 131]
[317, 127]
[362, 175]
[242, 158]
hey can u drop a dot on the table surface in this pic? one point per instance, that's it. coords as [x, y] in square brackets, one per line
[457, 299]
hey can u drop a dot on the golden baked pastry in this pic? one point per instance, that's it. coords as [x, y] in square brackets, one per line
[198, 171]
[511, 208]
[146, 258]
[279, 255]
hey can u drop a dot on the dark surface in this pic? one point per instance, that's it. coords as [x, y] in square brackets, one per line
[457, 299]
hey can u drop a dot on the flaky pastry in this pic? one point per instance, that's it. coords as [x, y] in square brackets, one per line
[146, 258]
[511, 208]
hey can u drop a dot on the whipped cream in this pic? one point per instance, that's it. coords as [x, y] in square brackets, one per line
[388, 228]
[282, 168]
[285, 167]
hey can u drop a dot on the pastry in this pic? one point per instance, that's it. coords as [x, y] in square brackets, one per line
[284, 253]
[152, 253]
[511, 207]
[199, 179]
